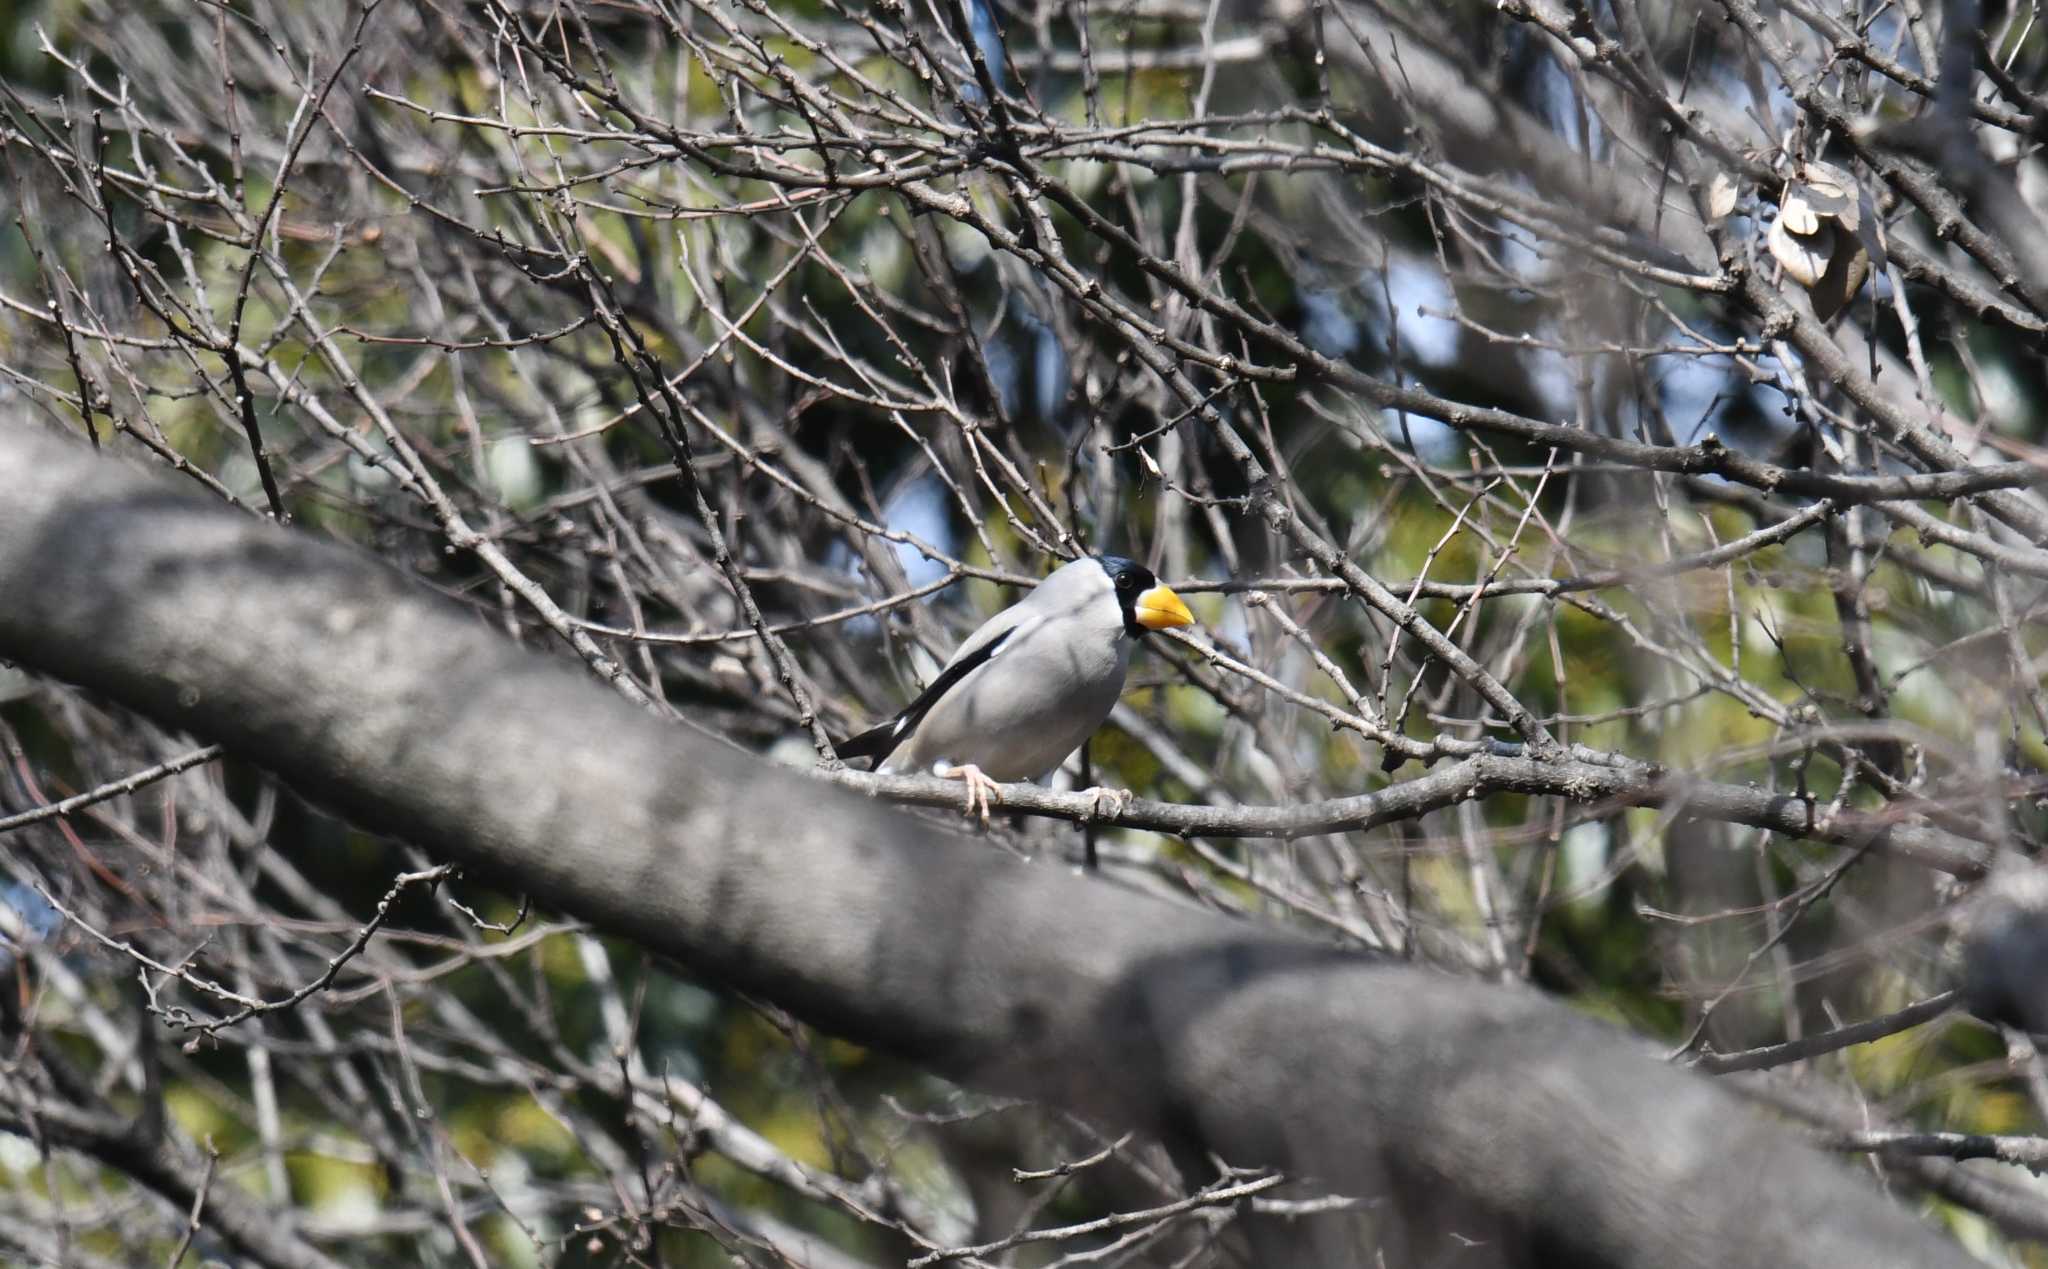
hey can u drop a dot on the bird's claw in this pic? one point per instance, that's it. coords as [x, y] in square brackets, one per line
[982, 792]
[1117, 800]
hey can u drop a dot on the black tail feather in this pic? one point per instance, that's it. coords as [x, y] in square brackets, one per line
[876, 742]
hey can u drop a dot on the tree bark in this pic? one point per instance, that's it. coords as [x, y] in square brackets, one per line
[1490, 1113]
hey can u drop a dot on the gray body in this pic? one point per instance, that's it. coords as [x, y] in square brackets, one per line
[1047, 688]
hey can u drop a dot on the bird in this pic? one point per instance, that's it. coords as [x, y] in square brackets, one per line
[1034, 681]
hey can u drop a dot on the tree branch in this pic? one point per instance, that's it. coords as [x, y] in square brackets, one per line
[1501, 1114]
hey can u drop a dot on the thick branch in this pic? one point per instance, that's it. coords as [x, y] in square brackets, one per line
[1520, 1122]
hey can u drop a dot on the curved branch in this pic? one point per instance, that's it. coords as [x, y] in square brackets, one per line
[1486, 1112]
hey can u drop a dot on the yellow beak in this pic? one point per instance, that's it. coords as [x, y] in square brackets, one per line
[1161, 609]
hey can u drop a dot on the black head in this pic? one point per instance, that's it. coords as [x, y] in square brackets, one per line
[1130, 580]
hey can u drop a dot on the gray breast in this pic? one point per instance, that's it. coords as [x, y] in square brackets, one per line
[1019, 715]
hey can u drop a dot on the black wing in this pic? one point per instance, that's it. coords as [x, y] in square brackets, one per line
[879, 742]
